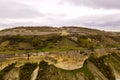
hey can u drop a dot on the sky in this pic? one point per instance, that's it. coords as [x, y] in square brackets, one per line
[98, 14]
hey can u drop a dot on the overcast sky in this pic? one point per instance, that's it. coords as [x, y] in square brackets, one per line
[99, 14]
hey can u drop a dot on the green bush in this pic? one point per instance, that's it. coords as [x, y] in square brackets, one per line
[6, 70]
[103, 66]
[26, 70]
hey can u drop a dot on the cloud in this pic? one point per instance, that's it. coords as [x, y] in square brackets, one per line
[12, 9]
[108, 4]
[103, 22]
[97, 14]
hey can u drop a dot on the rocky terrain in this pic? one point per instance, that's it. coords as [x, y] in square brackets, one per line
[67, 53]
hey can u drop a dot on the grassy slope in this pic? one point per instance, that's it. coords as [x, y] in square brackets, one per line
[21, 44]
[54, 42]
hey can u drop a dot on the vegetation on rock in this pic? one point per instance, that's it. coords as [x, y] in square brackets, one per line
[26, 70]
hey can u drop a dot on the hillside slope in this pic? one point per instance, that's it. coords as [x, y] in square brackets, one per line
[76, 38]
[67, 53]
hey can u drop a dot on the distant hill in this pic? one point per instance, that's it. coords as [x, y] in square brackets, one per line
[45, 30]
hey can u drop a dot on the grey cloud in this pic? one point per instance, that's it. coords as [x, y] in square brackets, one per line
[103, 22]
[109, 4]
[12, 9]
[16, 24]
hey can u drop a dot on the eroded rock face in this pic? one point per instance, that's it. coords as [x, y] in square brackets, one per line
[66, 60]
[34, 74]
[12, 75]
[95, 71]
[50, 72]
[61, 66]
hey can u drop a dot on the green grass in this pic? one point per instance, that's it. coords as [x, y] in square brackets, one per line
[12, 52]
[70, 48]
[63, 45]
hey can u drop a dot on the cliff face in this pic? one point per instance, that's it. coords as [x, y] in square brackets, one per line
[102, 68]
[93, 68]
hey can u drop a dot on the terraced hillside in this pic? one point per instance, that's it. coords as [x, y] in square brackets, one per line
[67, 53]
[76, 39]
